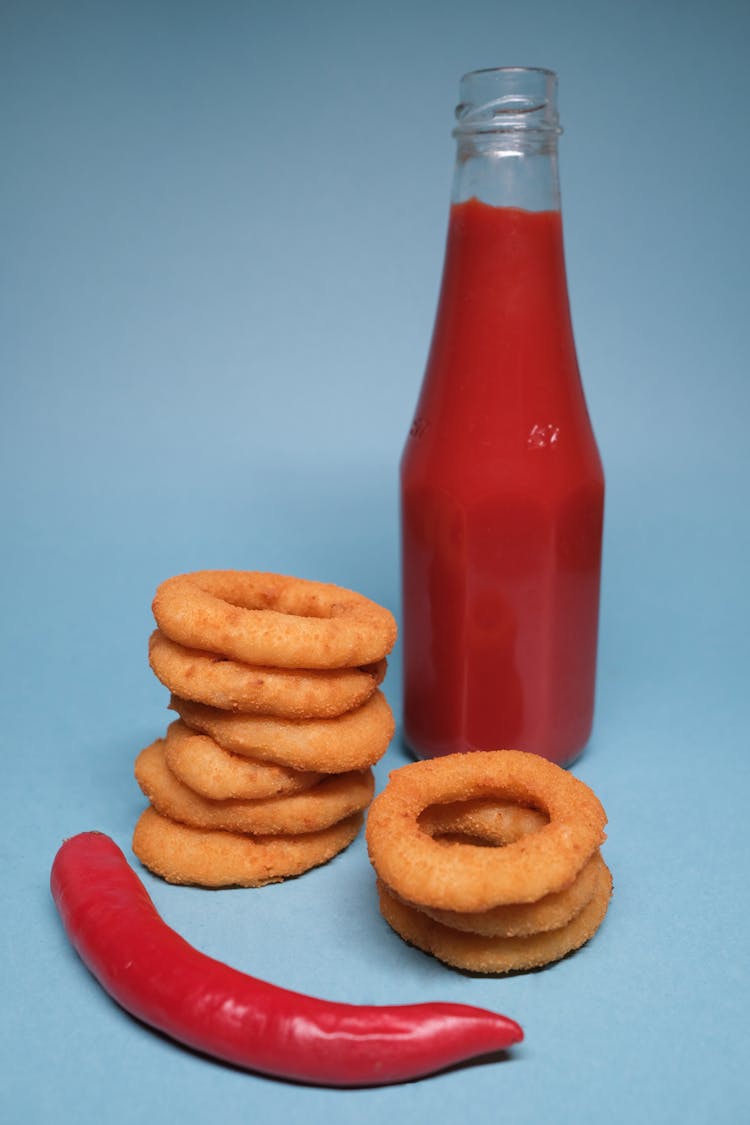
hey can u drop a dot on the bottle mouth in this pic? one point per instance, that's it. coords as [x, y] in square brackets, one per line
[508, 99]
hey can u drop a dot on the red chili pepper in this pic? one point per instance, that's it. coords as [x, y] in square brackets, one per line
[156, 976]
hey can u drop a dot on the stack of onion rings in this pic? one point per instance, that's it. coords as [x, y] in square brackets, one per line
[266, 773]
[490, 860]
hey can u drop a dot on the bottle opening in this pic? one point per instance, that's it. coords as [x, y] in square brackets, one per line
[508, 99]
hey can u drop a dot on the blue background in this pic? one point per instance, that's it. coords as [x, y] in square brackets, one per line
[222, 237]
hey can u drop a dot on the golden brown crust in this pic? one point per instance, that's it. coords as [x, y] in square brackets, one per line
[231, 686]
[273, 619]
[469, 879]
[521, 919]
[318, 807]
[209, 858]
[496, 954]
[206, 768]
[352, 741]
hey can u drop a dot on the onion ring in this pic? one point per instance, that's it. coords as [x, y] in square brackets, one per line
[468, 879]
[310, 811]
[521, 919]
[496, 954]
[206, 678]
[352, 741]
[271, 619]
[207, 858]
[206, 768]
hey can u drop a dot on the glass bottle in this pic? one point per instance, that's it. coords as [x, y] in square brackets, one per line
[502, 488]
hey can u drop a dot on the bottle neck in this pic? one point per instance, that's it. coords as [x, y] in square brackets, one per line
[516, 174]
[506, 132]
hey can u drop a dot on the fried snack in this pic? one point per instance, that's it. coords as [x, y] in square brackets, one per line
[207, 678]
[429, 873]
[271, 619]
[524, 918]
[496, 954]
[206, 768]
[310, 811]
[209, 858]
[352, 741]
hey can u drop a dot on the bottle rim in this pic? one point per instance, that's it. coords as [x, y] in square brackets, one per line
[508, 99]
[510, 69]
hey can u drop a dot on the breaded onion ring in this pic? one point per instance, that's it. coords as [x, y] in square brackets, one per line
[206, 768]
[324, 804]
[207, 678]
[208, 858]
[496, 954]
[521, 919]
[469, 879]
[270, 619]
[352, 741]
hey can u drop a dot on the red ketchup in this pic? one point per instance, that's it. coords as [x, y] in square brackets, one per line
[502, 497]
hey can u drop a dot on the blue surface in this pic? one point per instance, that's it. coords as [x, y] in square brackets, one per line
[223, 232]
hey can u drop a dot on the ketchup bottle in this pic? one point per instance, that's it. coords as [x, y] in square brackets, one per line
[502, 489]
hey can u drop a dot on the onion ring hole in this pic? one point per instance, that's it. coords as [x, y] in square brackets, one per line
[481, 822]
